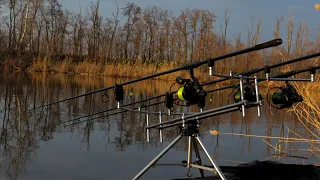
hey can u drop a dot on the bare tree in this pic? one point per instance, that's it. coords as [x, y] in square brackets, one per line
[115, 20]
[194, 16]
[226, 16]
[290, 29]
[25, 19]
[132, 11]
[78, 25]
[45, 28]
[152, 17]
[94, 35]
[12, 23]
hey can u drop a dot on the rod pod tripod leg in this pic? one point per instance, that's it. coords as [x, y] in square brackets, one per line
[191, 133]
[159, 156]
[196, 150]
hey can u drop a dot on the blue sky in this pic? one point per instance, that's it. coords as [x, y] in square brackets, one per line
[241, 12]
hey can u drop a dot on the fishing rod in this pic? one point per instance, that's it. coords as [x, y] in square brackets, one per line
[284, 75]
[266, 69]
[247, 73]
[195, 94]
[312, 70]
[122, 110]
[220, 80]
[79, 121]
[284, 98]
[210, 62]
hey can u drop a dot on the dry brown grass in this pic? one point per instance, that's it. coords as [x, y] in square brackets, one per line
[39, 65]
[88, 68]
[124, 70]
[65, 66]
[308, 112]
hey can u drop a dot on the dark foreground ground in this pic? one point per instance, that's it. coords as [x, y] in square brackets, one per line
[268, 170]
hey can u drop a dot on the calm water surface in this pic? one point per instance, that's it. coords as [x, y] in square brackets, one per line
[38, 144]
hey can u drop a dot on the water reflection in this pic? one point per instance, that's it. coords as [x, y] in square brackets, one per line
[82, 130]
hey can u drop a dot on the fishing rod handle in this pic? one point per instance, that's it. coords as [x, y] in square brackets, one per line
[272, 43]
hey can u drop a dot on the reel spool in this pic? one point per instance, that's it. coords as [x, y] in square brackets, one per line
[286, 97]
[249, 94]
[191, 92]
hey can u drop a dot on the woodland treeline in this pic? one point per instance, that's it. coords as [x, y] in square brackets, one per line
[45, 28]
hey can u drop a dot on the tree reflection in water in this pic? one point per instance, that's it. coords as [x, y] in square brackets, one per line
[18, 139]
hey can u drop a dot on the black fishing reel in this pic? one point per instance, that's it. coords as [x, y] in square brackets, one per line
[249, 94]
[286, 97]
[191, 92]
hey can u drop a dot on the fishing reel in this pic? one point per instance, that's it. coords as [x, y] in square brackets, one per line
[249, 94]
[191, 92]
[286, 97]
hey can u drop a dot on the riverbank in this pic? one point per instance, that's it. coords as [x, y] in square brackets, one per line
[123, 69]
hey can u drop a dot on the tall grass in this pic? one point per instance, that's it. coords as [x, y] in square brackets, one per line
[124, 70]
[308, 113]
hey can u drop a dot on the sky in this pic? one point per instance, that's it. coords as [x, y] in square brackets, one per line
[241, 12]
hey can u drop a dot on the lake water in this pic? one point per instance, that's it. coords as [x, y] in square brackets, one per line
[37, 144]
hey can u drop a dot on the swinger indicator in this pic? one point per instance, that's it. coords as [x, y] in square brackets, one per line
[118, 93]
[169, 100]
